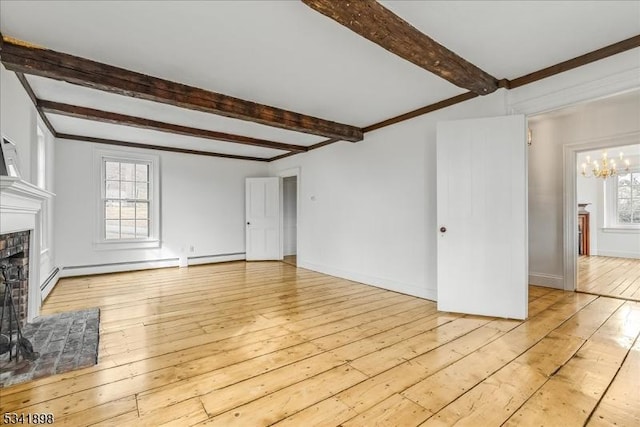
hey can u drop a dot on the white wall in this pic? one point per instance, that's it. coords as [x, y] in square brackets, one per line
[18, 121]
[367, 209]
[289, 214]
[619, 243]
[202, 206]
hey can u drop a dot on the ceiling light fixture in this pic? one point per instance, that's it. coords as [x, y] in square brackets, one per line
[604, 168]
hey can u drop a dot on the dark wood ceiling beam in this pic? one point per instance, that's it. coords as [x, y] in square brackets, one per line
[28, 59]
[578, 61]
[155, 147]
[27, 87]
[378, 24]
[423, 110]
[139, 122]
[596, 55]
[281, 156]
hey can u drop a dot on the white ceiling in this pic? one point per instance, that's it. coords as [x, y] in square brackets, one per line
[284, 54]
[509, 39]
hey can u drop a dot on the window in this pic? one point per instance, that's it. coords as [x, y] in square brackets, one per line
[628, 198]
[126, 202]
[128, 209]
[622, 196]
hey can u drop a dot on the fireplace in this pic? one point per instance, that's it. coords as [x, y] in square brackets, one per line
[20, 210]
[14, 260]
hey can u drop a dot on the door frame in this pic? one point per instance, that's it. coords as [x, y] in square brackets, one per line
[287, 173]
[570, 196]
[585, 91]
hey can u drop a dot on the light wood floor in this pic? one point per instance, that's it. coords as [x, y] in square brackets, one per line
[617, 277]
[251, 344]
[291, 259]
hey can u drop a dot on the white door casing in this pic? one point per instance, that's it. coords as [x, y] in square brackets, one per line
[482, 216]
[263, 203]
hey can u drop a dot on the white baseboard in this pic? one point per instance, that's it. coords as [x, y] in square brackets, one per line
[546, 280]
[85, 270]
[49, 283]
[619, 254]
[379, 282]
[210, 259]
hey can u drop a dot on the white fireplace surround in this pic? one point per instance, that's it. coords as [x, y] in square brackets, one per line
[20, 210]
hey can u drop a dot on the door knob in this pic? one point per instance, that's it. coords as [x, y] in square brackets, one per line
[248, 223]
[443, 229]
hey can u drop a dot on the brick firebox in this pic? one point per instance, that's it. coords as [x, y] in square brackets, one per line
[14, 254]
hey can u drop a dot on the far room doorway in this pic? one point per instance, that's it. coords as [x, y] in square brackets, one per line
[576, 242]
[609, 221]
[290, 219]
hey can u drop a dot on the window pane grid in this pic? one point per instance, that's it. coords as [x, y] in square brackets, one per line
[126, 200]
[628, 198]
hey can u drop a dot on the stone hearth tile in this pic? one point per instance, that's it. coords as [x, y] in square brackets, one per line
[65, 341]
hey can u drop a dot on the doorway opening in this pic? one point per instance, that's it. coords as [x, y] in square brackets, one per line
[576, 244]
[290, 219]
[609, 222]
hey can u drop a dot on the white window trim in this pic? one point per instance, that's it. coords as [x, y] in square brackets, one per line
[41, 181]
[41, 158]
[153, 241]
[44, 227]
[611, 224]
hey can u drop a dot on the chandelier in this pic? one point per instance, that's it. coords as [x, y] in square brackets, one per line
[604, 168]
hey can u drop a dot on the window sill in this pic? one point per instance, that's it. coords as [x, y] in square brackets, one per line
[623, 230]
[123, 245]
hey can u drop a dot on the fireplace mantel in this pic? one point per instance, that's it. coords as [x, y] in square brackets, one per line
[21, 195]
[20, 208]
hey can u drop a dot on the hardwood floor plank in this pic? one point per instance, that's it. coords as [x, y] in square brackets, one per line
[255, 387]
[436, 391]
[615, 277]
[492, 401]
[620, 405]
[99, 413]
[393, 411]
[185, 413]
[212, 380]
[585, 377]
[126, 419]
[329, 412]
[280, 339]
[262, 343]
[279, 404]
[145, 371]
[379, 387]
[373, 357]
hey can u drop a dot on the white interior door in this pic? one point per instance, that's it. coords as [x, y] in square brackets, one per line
[482, 217]
[263, 241]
